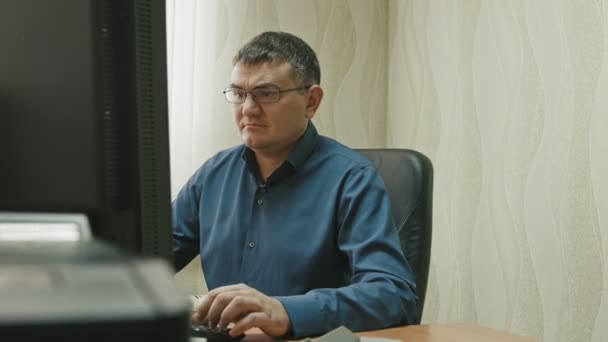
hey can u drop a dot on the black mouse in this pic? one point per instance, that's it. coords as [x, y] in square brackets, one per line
[213, 334]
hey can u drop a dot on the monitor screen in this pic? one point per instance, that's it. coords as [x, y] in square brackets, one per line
[83, 116]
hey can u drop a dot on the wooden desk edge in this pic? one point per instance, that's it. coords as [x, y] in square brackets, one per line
[444, 332]
[469, 332]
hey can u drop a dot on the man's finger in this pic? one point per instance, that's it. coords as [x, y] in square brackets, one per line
[253, 319]
[221, 301]
[200, 316]
[239, 307]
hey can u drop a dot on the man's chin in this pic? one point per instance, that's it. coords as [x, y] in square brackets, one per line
[252, 142]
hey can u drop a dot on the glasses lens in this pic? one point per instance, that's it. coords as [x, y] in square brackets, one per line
[234, 95]
[266, 94]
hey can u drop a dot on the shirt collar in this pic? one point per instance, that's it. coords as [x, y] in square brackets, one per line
[303, 147]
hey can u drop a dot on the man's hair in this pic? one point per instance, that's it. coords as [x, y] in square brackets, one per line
[281, 46]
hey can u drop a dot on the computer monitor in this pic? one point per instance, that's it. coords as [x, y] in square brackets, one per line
[83, 116]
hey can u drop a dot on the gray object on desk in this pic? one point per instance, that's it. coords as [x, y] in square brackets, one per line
[343, 334]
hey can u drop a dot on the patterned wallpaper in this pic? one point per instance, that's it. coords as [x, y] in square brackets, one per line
[509, 99]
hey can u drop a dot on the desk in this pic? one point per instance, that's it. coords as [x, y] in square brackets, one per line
[450, 332]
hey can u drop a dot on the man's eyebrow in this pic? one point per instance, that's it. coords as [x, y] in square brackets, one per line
[263, 85]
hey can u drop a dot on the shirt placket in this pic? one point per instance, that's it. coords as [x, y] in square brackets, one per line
[251, 248]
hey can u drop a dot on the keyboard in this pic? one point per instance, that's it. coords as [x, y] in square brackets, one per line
[212, 334]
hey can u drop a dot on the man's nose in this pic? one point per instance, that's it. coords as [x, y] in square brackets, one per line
[250, 107]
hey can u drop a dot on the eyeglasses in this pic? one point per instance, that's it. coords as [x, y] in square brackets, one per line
[266, 94]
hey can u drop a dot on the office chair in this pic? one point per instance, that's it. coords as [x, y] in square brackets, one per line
[408, 176]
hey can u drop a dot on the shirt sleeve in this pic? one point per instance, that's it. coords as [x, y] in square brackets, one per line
[185, 224]
[381, 292]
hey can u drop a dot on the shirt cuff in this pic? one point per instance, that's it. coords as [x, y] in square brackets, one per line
[306, 316]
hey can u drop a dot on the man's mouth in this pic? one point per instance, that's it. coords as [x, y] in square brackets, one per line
[252, 124]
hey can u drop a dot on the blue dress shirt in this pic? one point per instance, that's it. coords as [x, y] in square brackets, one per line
[318, 235]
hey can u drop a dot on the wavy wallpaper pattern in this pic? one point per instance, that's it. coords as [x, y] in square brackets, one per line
[510, 101]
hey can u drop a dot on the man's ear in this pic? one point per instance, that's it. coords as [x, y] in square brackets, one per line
[314, 100]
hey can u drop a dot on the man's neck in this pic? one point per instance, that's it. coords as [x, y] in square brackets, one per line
[269, 162]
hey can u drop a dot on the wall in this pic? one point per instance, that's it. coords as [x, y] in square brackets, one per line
[509, 99]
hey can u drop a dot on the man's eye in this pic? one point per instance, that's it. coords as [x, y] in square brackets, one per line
[239, 94]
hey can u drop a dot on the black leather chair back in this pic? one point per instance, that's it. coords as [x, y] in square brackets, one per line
[408, 176]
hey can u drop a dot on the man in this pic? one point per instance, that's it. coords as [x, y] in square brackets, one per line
[294, 229]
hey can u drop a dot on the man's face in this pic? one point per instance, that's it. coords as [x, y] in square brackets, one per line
[270, 128]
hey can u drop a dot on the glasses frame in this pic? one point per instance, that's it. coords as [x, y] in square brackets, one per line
[255, 98]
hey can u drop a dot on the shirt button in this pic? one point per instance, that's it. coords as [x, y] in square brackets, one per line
[260, 202]
[251, 244]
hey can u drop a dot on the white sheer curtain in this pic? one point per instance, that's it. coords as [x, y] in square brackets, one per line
[191, 34]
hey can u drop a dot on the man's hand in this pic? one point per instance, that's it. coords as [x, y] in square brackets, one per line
[245, 307]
